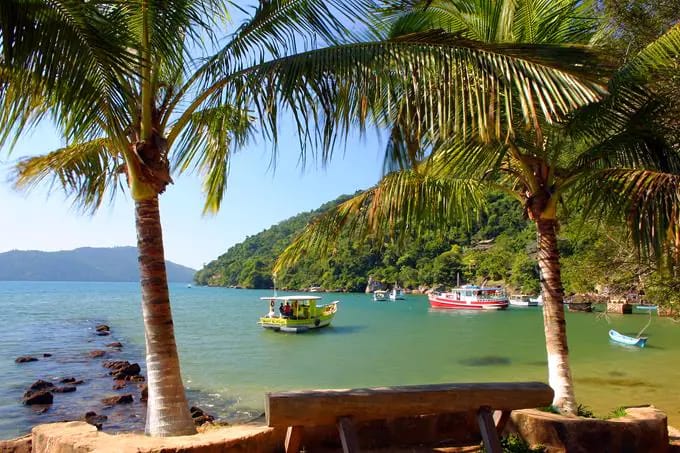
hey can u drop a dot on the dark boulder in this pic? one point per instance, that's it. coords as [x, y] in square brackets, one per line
[71, 380]
[102, 328]
[117, 385]
[41, 385]
[25, 359]
[38, 397]
[145, 392]
[95, 420]
[97, 353]
[119, 399]
[200, 417]
[64, 389]
[114, 364]
[115, 344]
[103, 333]
[47, 354]
[128, 370]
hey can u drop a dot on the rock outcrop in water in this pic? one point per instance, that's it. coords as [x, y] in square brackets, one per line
[25, 359]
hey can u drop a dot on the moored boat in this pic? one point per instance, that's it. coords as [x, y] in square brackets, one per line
[470, 297]
[625, 339]
[396, 294]
[523, 300]
[297, 313]
[379, 295]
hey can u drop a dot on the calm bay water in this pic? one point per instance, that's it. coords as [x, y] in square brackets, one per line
[228, 362]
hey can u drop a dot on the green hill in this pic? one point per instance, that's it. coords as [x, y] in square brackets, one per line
[87, 264]
[499, 246]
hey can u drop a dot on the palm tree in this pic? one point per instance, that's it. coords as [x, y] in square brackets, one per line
[115, 77]
[567, 160]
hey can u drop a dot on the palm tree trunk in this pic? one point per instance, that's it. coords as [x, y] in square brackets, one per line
[167, 408]
[554, 323]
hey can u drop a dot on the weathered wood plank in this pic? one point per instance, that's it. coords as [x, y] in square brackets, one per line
[294, 439]
[348, 435]
[487, 428]
[324, 407]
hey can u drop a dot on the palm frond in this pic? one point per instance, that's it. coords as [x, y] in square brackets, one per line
[206, 144]
[402, 201]
[86, 172]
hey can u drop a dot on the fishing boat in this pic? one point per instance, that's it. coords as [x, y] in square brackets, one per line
[470, 297]
[625, 339]
[537, 300]
[297, 313]
[523, 300]
[396, 294]
[379, 295]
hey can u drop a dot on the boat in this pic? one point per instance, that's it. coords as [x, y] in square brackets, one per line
[314, 289]
[396, 294]
[379, 295]
[189, 285]
[304, 315]
[646, 307]
[625, 339]
[538, 300]
[470, 297]
[523, 300]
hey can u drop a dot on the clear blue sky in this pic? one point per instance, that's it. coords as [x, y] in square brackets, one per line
[256, 198]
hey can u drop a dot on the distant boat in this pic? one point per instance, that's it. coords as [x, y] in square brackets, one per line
[304, 315]
[314, 289]
[470, 297]
[537, 300]
[379, 295]
[523, 300]
[646, 307]
[189, 285]
[396, 294]
[625, 339]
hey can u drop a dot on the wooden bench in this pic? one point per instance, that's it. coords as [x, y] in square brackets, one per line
[297, 409]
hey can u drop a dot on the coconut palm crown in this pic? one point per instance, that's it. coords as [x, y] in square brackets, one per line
[569, 159]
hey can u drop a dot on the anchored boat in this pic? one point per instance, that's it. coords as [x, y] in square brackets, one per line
[379, 295]
[625, 339]
[470, 297]
[297, 313]
[523, 300]
[396, 294]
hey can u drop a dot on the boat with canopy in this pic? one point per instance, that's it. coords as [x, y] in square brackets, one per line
[297, 313]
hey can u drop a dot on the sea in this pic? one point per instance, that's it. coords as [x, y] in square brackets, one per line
[229, 362]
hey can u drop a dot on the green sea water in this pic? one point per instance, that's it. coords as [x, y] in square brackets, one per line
[228, 361]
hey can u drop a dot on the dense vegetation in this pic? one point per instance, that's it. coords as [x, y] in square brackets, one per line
[499, 246]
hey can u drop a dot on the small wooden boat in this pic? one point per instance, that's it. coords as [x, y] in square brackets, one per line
[625, 339]
[396, 294]
[297, 314]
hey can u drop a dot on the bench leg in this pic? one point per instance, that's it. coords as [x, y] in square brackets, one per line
[501, 419]
[348, 435]
[294, 439]
[488, 430]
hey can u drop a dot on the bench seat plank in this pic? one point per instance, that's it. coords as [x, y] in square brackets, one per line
[325, 407]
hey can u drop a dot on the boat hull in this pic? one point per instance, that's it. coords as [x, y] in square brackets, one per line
[524, 303]
[444, 302]
[625, 339]
[291, 325]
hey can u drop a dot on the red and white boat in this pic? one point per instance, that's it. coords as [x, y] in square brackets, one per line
[471, 297]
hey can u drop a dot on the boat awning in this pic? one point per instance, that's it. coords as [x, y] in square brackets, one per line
[290, 298]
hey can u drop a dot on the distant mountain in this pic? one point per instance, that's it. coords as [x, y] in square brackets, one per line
[87, 264]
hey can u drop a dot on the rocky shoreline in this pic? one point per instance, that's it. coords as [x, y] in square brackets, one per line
[122, 408]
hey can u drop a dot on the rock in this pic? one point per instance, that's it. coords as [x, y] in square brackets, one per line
[114, 364]
[145, 392]
[102, 328]
[38, 397]
[115, 344]
[95, 420]
[128, 370]
[47, 354]
[117, 385]
[119, 399]
[200, 417]
[71, 380]
[41, 385]
[25, 359]
[103, 333]
[97, 353]
[65, 389]
[41, 411]
[135, 378]
[18, 445]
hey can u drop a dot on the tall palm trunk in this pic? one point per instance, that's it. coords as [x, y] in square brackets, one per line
[554, 323]
[167, 408]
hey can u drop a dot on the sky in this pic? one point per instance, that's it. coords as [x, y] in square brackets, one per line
[257, 198]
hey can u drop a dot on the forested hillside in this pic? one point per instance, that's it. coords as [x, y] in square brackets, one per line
[499, 246]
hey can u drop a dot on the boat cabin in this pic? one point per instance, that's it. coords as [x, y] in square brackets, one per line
[297, 313]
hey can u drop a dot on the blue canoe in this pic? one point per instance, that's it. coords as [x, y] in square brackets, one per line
[625, 339]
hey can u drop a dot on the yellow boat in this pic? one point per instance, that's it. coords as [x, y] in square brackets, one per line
[304, 315]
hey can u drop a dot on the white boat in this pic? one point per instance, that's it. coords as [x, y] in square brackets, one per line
[625, 339]
[470, 297]
[523, 300]
[538, 300]
[379, 295]
[396, 294]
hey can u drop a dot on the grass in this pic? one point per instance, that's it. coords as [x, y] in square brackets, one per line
[515, 444]
[586, 412]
